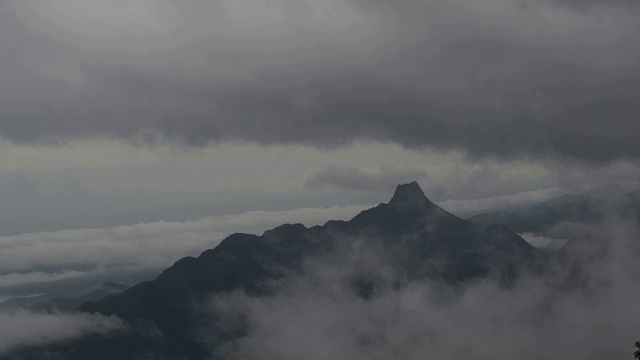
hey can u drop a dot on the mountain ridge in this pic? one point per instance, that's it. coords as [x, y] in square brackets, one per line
[422, 241]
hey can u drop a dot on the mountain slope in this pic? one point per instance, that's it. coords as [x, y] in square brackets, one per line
[419, 239]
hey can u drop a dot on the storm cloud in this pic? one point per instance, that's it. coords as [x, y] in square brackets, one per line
[496, 78]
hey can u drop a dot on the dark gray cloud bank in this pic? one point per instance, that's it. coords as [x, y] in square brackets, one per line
[501, 78]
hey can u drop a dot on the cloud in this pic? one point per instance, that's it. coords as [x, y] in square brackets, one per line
[353, 178]
[525, 198]
[36, 277]
[465, 187]
[497, 78]
[317, 316]
[57, 255]
[30, 329]
[543, 242]
[460, 188]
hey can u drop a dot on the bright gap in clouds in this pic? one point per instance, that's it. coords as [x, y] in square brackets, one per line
[544, 242]
[102, 183]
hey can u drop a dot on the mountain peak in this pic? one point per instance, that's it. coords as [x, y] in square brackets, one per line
[410, 193]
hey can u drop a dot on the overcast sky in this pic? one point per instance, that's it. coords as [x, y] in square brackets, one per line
[505, 78]
[116, 113]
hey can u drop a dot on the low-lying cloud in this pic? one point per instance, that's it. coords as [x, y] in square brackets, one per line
[584, 307]
[59, 255]
[30, 329]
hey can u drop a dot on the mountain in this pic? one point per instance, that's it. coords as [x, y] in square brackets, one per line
[589, 208]
[418, 239]
[49, 304]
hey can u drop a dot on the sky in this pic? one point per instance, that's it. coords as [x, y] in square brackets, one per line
[124, 117]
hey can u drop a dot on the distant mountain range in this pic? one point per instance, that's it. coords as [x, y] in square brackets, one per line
[589, 207]
[419, 241]
[47, 304]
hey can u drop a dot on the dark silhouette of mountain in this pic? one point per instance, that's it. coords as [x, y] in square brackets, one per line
[420, 240]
